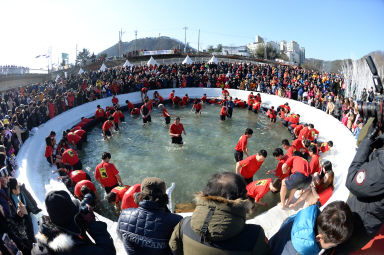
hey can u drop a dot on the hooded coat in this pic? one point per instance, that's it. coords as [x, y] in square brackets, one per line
[218, 226]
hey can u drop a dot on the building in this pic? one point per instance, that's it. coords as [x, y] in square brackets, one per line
[240, 51]
[295, 54]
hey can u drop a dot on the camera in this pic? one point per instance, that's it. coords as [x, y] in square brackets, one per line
[374, 109]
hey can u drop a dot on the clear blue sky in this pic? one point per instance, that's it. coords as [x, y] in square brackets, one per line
[327, 29]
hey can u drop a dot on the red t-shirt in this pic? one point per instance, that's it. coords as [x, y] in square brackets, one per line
[324, 147]
[185, 99]
[279, 170]
[197, 107]
[315, 164]
[223, 111]
[130, 106]
[120, 191]
[297, 144]
[48, 151]
[171, 96]
[99, 113]
[165, 113]
[128, 200]
[304, 133]
[117, 116]
[107, 125]
[249, 166]
[258, 189]
[290, 151]
[77, 175]
[312, 134]
[242, 143]
[204, 98]
[135, 111]
[176, 129]
[70, 157]
[298, 165]
[297, 130]
[106, 173]
[115, 100]
[80, 132]
[73, 138]
[82, 183]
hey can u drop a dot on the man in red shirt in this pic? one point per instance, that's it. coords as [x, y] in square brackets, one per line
[223, 112]
[166, 115]
[315, 164]
[116, 195]
[99, 114]
[278, 154]
[143, 93]
[128, 200]
[87, 184]
[258, 189]
[129, 105]
[204, 98]
[249, 166]
[70, 157]
[197, 106]
[117, 116]
[241, 146]
[326, 146]
[172, 95]
[185, 99]
[107, 174]
[299, 178]
[108, 124]
[115, 100]
[175, 131]
[286, 146]
[145, 112]
[74, 139]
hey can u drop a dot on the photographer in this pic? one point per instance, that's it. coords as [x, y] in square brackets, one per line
[366, 184]
[60, 233]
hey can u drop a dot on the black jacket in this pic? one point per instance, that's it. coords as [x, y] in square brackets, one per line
[54, 241]
[146, 229]
[365, 180]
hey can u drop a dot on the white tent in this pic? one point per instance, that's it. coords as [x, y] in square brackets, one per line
[152, 62]
[81, 71]
[213, 60]
[103, 67]
[187, 60]
[127, 63]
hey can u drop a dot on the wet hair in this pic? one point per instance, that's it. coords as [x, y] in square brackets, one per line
[327, 165]
[106, 155]
[276, 183]
[12, 183]
[52, 133]
[227, 185]
[307, 143]
[335, 222]
[263, 153]
[84, 190]
[111, 197]
[311, 126]
[248, 131]
[48, 141]
[285, 142]
[313, 148]
[98, 106]
[278, 152]
[330, 143]
[177, 118]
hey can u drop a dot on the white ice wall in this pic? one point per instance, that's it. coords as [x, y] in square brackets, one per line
[31, 156]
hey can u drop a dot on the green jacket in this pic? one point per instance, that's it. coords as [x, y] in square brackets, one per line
[217, 226]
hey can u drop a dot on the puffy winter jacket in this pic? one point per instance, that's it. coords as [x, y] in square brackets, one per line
[297, 234]
[146, 229]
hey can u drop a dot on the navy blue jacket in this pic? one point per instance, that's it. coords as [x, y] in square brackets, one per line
[146, 229]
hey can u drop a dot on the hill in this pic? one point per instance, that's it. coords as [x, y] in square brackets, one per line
[335, 65]
[149, 43]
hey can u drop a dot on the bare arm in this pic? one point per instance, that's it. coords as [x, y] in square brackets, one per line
[237, 169]
[285, 168]
[119, 179]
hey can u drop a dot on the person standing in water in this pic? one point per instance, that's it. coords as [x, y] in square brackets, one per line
[175, 131]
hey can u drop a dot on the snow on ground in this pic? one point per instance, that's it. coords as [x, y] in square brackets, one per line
[36, 174]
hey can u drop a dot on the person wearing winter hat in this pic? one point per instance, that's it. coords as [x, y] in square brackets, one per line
[152, 235]
[64, 231]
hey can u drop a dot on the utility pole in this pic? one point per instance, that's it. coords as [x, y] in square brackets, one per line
[185, 38]
[198, 42]
[135, 41]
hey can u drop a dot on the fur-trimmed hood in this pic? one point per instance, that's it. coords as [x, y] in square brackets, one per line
[60, 243]
[228, 218]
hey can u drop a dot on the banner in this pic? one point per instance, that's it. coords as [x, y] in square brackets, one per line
[64, 56]
[156, 52]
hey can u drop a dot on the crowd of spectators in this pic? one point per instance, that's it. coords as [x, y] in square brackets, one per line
[22, 109]
[11, 69]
